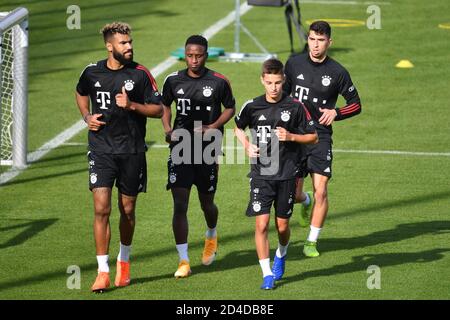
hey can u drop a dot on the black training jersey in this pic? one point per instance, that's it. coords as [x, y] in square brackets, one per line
[262, 118]
[124, 131]
[197, 99]
[318, 85]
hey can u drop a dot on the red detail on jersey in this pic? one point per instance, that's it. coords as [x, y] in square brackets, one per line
[350, 109]
[308, 115]
[150, 77]
[221, 76]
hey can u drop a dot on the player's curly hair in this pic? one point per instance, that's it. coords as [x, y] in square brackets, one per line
[272, 66]
[116, 27]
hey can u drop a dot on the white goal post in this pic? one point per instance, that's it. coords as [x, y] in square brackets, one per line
[14, 87]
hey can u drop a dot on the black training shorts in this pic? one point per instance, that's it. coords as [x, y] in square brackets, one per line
[129, 171]
[203, 176]
[264, 193]
[319, 158]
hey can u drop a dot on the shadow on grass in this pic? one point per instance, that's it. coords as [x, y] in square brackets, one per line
[98, 5]
[49, 163]
[105, 18]
[44, 177]
[377, 207]
[245, 258]
[48, 71]
[30, 229]
[362, 262]
[401, 232]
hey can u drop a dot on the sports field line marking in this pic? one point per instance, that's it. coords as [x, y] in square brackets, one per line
[80, 125]
[393, 152]
[343, 2]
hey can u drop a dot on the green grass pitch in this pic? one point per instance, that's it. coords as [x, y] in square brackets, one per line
[388, 210]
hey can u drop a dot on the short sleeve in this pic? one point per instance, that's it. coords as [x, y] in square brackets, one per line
[167, 95]
[242, 119]
[151, 94]
[83, 84]
[228, 100]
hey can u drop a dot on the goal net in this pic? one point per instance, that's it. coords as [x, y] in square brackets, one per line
[13, 87]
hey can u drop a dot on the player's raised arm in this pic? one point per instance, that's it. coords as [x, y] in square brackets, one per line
[150, 110]
[308, 138]
[351, 96]
[91, 120]
[152, 107]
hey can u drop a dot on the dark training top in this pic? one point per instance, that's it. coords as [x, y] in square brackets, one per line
[124, 131]
[197, 99]
[318, 85]
[262, 118]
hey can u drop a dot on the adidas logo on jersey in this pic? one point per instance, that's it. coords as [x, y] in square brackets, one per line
[262, 118]
[180, 91]
[97, 84]
[300, 76]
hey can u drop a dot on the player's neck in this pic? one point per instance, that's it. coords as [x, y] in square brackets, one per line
[318, 59]
[276, 99]
[113, 64]
[196, 74]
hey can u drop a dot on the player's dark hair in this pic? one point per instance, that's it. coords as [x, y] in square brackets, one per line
[116, 27]
[272, 66]
[321, 27]
[197, 39]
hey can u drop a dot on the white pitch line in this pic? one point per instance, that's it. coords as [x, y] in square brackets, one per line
[395, 152]
[390, 152]
[80, 125]
[343, 2]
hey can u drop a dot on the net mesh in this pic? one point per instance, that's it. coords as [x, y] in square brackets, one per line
[6, 97]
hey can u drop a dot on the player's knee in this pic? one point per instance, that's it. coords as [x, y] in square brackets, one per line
[262, 228]
[102, 211]
[127, 209]
[126, 204]
[209, 207]
[180, 208]
[283, 228]
[320, 195]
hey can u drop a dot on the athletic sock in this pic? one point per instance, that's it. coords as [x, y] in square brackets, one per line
[265, 267]
[103, 263]
[124, 253]
[282, 250]
[313, 233]
[211, 233]
[183, 251]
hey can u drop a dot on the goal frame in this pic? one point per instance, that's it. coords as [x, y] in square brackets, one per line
[17, 22]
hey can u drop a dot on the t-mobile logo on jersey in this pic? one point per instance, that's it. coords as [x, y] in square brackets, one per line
[301, 93]
[183, 105]
[263, 132]
[103, 97]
